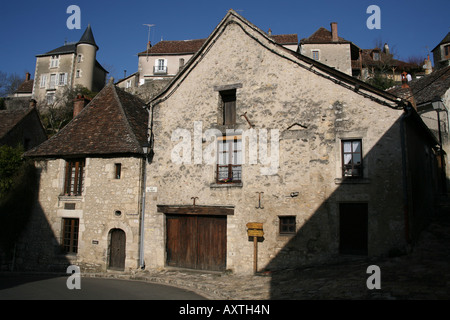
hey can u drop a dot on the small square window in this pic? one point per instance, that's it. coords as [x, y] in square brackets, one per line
[315, 55]
[287, 225]
[118, 171]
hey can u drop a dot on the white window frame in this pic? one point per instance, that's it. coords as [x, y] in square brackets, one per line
[54, 62]
[50, 97]
[43, 83]
[54, 83]
[62, 79]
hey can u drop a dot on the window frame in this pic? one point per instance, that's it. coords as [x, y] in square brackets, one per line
[315, 52]
[117, 171]
[283, 224]
[233, 168]
[352, 168]
[70, 235]
[77, 187]
[54, 61]
[228, 100]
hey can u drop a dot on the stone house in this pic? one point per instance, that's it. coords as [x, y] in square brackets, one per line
[341, 177]
[329, 48]
[68, 66]
[250, 139]
[441, 53]
[90, 188]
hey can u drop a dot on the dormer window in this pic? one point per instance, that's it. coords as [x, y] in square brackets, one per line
[54, 62]
[376, 56]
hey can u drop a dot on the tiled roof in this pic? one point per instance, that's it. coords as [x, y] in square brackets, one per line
[10, 118]
[25, 87]
[322, 35]
[192, 46]
[114, 122]
[425, 89]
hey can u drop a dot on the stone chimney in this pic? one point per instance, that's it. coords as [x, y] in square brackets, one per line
[32, 103]
[149, 45]
[427, 65]
[386, 48]
[27, 76]
[79, 103]
[334, 32]
[270, 32]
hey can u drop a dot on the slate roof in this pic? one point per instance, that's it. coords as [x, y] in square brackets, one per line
[192, 46]
[88, 37]
[426, 88]
[113, 123]
[445, 40]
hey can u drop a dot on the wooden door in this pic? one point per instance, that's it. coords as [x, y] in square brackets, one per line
[117, 249]
[196, 242]
[353, 228]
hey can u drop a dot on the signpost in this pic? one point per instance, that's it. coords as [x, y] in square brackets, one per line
[255, 230]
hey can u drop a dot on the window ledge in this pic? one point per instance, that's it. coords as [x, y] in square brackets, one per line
[70, 198]
[351, 180]
[226, 185]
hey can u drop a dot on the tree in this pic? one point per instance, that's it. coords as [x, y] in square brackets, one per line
[9, 83]
[58, 113]
[10, 162]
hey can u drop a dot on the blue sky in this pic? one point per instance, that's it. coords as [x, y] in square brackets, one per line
[28, 28]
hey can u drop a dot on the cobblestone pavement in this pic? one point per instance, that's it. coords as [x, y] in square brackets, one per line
[420, 275]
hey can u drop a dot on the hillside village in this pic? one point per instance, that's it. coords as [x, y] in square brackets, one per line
[215, 147]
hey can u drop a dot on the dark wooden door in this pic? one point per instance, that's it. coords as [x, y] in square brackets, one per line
[117, 250]
[353, 228]
[196, 242]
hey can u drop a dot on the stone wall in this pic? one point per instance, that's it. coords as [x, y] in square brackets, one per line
[312, 114]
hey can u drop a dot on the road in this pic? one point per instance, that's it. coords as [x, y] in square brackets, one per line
[38, 287]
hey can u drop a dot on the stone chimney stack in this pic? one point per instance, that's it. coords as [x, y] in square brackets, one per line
[334, 32]
[79, 103]
[270, 32]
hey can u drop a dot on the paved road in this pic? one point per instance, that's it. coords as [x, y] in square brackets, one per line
[38, 287]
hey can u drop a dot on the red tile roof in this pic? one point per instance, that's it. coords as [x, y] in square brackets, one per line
[114, 122]
[25, 87]
[322, 35]
[192, 46]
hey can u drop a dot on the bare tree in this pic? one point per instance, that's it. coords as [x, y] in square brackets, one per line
[9, 83]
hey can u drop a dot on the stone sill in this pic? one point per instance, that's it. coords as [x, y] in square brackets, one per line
[351, 181]
[226, 185]
[70, 198]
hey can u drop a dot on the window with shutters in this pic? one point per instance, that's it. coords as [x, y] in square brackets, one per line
[74, 181]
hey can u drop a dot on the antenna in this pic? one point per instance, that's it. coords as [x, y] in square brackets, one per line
[148, 40]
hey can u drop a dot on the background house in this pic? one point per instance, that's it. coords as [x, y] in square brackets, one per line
[441, 53]
[68, 66]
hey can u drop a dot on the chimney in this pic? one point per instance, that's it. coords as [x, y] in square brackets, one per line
[32, 103]
[79, 103]
[27, 76]
[386, 48]
[404, 80]
[149, 45]
[270, 32]
[334, 32]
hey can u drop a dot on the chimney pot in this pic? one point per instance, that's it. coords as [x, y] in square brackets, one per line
[334, 32]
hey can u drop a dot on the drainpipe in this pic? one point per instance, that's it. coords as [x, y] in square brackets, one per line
[145, 148]
[403, 118]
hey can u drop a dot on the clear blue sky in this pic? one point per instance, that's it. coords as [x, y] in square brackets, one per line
[28, 28]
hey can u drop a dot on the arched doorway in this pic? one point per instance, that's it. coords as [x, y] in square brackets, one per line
[117, 248]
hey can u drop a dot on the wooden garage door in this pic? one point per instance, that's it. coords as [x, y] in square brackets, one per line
[196, 241]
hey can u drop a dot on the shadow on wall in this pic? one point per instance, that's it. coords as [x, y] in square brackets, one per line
[381, 214]
[27, 240]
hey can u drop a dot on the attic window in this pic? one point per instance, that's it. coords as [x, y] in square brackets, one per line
[228, 99]
[315, 55]
[118, 171]
[376, 56]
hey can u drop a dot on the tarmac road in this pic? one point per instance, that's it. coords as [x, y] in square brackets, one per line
[40, 287]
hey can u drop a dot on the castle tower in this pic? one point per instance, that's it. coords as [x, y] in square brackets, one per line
[86, 48]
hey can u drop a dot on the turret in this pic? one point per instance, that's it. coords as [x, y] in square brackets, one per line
[85, 59]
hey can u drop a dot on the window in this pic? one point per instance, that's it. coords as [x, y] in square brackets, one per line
[118, 170]
[352, 158]
[376, 56]
[229, 160]
[54, 62]
[160, 66]
[74, 183]
[181, 63]
[229, 106]
[79, 58]
[50, 98]
[43, 80]
[53, 82]
[78, 74]
[315, 54]
[287, 224]
[62, 79]
[70, 235]
[447, 50]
